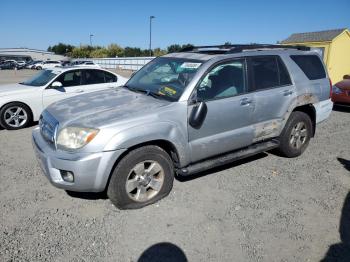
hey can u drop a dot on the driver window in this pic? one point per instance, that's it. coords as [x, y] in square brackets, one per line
[71, 78]
[224, 80]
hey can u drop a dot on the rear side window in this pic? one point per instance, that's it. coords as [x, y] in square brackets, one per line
[94, 77]
[311, 65]
[109, 78]
[269, 72]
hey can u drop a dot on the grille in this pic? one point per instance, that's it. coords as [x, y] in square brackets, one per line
[48, 126]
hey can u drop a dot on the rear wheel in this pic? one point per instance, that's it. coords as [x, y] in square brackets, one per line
[296, 135]
[142, 177]
[15, 116]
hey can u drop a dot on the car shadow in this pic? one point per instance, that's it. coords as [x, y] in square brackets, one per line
[345, 163]
[340, 252]
[341, 108]
[87, 195]
[163, 252]
[221, 168]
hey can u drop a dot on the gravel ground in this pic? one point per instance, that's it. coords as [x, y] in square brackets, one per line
[265, 208]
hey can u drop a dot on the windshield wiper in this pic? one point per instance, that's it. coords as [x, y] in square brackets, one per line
[143, 91]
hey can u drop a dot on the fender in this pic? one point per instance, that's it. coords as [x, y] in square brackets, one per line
[144, 133]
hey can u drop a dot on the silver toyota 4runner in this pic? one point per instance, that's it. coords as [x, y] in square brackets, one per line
[181, 114]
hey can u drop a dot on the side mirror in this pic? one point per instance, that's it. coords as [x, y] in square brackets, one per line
[56, 84]
[198, 114]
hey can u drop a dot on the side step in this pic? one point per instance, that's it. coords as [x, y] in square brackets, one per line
[228, 158]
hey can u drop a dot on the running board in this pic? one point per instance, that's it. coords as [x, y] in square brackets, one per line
[228, 158]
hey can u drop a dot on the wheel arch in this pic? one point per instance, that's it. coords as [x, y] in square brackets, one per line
[310, 110]
[19, 102]
[166, 145]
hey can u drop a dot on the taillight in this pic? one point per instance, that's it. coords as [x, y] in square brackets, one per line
[330, 88]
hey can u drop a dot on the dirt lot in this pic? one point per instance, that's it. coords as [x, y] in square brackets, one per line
[265, 208]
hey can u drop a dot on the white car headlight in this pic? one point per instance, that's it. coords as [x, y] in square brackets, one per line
[75, 137]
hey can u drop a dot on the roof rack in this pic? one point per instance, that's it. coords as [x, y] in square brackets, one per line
[229, 49]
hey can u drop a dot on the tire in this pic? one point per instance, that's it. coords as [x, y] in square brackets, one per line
[296, 135]
[132, 184]
[20, 113]
[39, 68]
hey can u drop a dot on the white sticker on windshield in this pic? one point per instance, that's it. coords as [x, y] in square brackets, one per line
[191, 65]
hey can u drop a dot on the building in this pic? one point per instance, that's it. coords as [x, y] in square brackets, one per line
[27, 54]
[334, 46]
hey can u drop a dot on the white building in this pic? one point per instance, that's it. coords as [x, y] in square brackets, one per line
[27, 54]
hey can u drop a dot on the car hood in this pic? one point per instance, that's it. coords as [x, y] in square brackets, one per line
[10, 89]
[103, 108]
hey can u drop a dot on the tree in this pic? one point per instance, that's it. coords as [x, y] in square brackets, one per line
[99, 53]
[115, 50]
[174, 48]
[81, 52]
[159, 52]
[61, 49]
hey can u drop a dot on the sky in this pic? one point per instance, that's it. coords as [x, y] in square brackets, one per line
[41, 23]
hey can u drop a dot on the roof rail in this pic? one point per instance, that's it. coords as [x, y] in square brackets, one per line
[229, 49]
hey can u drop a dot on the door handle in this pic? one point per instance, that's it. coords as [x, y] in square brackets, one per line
[79, 91]
[287, 92]
[246, 101]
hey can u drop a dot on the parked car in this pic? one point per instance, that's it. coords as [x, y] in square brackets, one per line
[22, 103]
[88, 64]
[8, 65]
[34, 64]
[21, 63]
[47, 65]
[183, 113]
[341, 92]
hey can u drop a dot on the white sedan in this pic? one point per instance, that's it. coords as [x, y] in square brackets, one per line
[21, 104]
[47, 65]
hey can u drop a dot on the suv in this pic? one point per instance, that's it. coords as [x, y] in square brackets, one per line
[181, 114]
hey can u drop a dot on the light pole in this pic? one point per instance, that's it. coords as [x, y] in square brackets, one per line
[150, 34]
[91, 35]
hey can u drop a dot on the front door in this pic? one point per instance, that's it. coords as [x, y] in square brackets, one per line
[71, 86]
[227, 125]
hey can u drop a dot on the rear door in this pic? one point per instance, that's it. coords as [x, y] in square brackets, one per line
[71, 85]
[273, 93]
[227, 125]
[94, 80]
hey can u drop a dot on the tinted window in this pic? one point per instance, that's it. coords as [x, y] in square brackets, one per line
[109, 78]
[283, 73]
[265, 72]
[71, 78]
[311, 65]
[94, 77]
[224, 80]
[269, 72]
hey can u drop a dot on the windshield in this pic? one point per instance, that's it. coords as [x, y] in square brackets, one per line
[40, 79]
[164, 77]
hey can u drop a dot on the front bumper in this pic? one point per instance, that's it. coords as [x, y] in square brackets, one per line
[323, 110]
[91, 170]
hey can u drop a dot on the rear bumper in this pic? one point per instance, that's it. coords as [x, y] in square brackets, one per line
[91, 170]
[341, 99]
[323, 110]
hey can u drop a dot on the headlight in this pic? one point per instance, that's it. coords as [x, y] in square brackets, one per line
[75, 137]
[337, 90]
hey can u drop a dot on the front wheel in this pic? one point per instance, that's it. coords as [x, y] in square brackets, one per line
[15, 116]
[296, 135]
[142, 177]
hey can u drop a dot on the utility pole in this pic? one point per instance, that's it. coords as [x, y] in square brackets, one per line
[150, 34]
[91, 35]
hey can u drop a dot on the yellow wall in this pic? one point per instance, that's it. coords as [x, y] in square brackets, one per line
[339, 59]
[336, 55]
